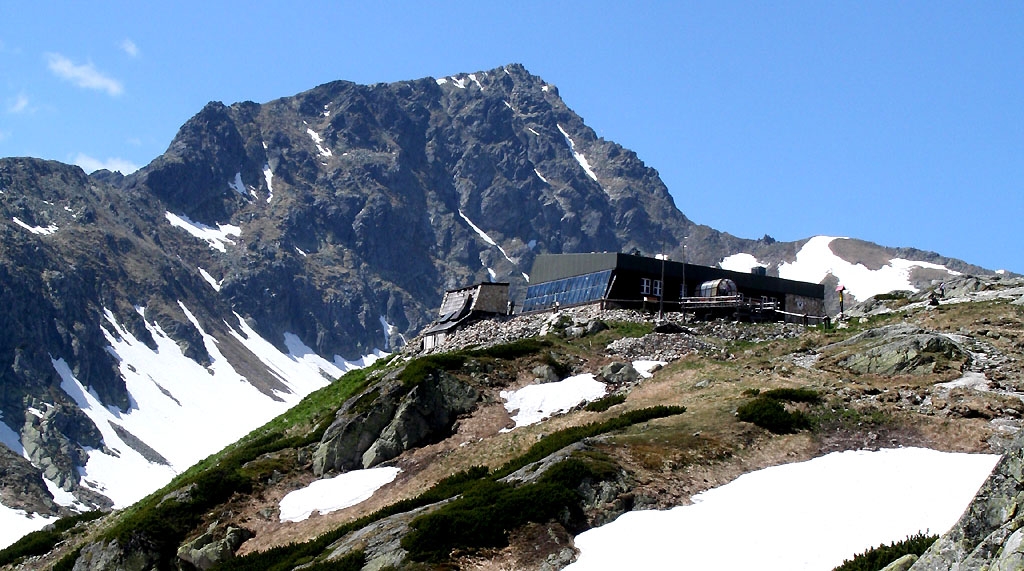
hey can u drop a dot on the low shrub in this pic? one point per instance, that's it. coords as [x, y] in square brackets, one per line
[488, 511]
[793, 395]
[604, 403]
[878, 557]
[771, 414]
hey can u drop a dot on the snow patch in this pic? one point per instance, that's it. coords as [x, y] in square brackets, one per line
[883, 496]
[534, 403]
[441, 81]
[530, 129]
[36, 229]
[582, 160]
[318, 141]
[540, 176]
[644, 367]
[210, 279]
[269, 176]
[494, 276]
[460, 83]
[215, 237]
[390, 331]
[815, 261]
[472, 77]
[333, 494]
[16, 523]
[739, 263]
[238, 186]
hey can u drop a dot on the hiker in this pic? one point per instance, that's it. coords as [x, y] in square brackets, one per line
[942, 289]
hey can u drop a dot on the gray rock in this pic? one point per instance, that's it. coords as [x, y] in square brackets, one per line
[619, 373]
[546, 374]
[385, 421]
[897, 349]
[989, 534]
[901, 564]
[207, 550]
[104, 556]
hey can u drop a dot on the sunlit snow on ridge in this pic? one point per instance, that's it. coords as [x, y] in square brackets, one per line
[215, 237]
[739, 263]
[841, 504]
[333, 494]
[815, 261]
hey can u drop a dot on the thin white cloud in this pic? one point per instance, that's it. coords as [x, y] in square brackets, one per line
[85, 75]
[19, 104]
[129, 47]
[91, 165]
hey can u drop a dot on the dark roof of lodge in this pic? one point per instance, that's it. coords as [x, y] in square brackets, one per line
[551, 267]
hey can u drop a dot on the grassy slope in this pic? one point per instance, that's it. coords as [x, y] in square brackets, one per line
[669, 459]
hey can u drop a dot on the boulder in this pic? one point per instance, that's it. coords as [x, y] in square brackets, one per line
[386, 420]
[619, 373]
[898, 349]
[901, 564]
[112, 556]
[546, 374]
[207, 550]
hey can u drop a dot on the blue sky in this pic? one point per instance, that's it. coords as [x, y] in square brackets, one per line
[901, 123]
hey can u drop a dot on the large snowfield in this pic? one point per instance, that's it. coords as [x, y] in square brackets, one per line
[806, 516]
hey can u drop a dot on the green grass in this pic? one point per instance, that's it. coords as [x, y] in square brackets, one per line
[485, 514]
[479, 478]
[630, 329]
[877, 558]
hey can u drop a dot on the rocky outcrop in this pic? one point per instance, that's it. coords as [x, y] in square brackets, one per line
[213, 547]
[990, 534]
[112, 556]
[387, 420]
[898, 349]
[21, 486]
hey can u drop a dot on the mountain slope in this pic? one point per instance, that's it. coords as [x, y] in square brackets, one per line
[491, 486]
[274, 246]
